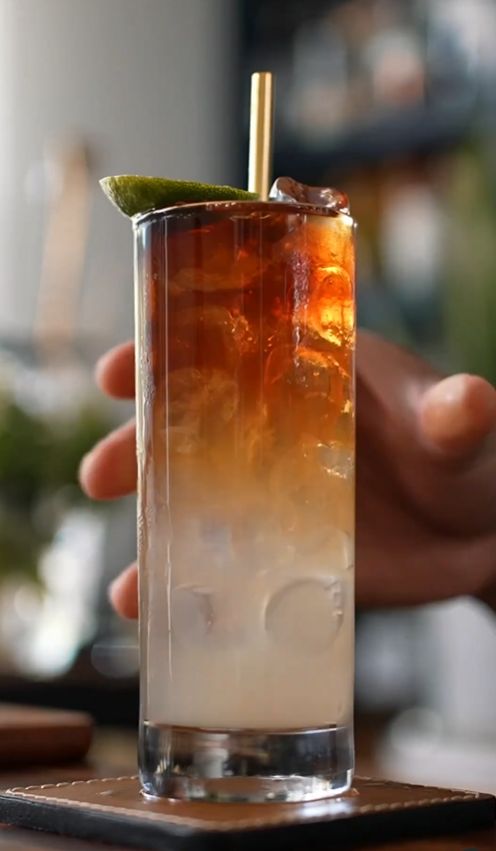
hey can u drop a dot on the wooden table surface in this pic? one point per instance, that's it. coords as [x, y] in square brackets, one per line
[113, 754]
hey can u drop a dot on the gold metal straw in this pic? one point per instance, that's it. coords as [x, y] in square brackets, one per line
[261, 133]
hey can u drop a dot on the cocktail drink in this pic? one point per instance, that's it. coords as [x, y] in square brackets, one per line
[245, 407]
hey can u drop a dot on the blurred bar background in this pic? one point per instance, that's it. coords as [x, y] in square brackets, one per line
[392, 101]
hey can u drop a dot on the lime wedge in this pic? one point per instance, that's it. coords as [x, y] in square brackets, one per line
[134, 194]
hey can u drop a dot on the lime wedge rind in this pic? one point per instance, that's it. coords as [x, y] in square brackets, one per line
[133, 194]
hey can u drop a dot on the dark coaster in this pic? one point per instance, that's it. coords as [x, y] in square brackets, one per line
[113, 810]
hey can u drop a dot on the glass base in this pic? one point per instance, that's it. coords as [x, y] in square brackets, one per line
[245, 765]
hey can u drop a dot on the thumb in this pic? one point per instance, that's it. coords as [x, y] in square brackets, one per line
[457, 414]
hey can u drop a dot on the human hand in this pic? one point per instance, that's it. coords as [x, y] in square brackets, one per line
[426, 478]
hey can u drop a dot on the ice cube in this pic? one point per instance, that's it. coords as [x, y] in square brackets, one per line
[309, 498]
[332, 311]
[289, 191]
[219, 397]
[214, 334]
[200, 403]
[303, 371]
[256, 547]
[336, 459]
[200, 548]
[304, 391]
[224, 260]
[332, 551]
[305, 615]
[313, 372]
[216, 616]
[191, 612]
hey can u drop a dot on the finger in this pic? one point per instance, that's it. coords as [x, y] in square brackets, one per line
[115, 372]
[123, 593]
[110, 469]
[457, 414]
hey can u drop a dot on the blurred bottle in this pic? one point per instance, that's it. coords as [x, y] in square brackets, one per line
[317, 106]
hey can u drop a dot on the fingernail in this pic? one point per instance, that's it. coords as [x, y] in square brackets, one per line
[449, 391]
[83, 465]
[100, 365]
[458, 412]
[444, 418]
[113, 588]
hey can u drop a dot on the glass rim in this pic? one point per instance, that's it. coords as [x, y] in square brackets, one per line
[289, 207]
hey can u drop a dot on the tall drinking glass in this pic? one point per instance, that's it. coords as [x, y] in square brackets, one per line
[245, 398]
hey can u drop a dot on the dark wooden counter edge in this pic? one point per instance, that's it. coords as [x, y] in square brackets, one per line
[371, 828]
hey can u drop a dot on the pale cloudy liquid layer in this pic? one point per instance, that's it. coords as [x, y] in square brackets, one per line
[245, 345]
